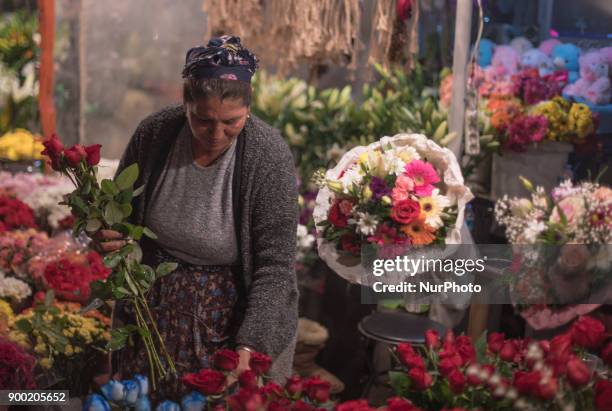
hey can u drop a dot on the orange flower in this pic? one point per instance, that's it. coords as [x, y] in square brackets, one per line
[503, 111]
[420, 233]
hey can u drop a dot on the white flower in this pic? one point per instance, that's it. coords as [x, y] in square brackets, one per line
[107, 169]
[351, 177]
[44, 201]
[407, 154]
[393, 163]
[30, 85]
[533, 230]
[366, 223]
[433, 206]
[304, 241]
[12, 288]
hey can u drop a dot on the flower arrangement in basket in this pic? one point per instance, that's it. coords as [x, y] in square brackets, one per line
[403, 190]
[495, 373]
[562, 250]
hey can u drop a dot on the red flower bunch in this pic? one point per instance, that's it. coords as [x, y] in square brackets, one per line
[16, 367]
[513, 371]
[72, 156]
[71, 275]
[15, 214]
[532, 88]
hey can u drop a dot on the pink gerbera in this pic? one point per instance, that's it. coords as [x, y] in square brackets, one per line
[423, 175]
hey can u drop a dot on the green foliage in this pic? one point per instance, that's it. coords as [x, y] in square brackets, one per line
[320, 125]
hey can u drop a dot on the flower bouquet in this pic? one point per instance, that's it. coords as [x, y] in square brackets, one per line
[107, 204]
[15, 214]
[495, 373]
[562, 254]
[401, 191]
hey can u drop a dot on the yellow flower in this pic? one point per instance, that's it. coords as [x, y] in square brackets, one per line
[6, 311]
[20, 144]
[46, 363]
[69, 350]
[78, 350]
[580, 120]
[20, 338]
[556, 116]
[106, 336]
[40, 349]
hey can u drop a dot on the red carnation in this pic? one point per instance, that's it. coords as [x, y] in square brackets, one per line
[226, 360]
[260, 363]
[588, 332]
[208, 382]
[93, 154]
[336, 217]
[16, 367]
[316, 389]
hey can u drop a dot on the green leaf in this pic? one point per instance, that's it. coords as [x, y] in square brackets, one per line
[118, 339]
[112, 260]
[481, 348]
[113, 213]
[93, 225]
[127, 177]
[86, 189]
[137, 233]
[109, 187]
[144, 333]
[24, 326]
[400, 382]
[138, 191]
[165, 269]
[126, 250]
[126, 209]
[120, 292]
[49, 297]
[125, 197]
[146, 231]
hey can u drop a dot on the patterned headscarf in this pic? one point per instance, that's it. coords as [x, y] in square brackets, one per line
[223, 57]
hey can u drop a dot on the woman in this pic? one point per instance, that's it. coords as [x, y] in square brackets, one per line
[221, 197]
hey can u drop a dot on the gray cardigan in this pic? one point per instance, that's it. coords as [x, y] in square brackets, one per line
[265, 210]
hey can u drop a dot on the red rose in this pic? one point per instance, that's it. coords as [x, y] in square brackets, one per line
[294, 385]
[316, 389]
[450, 354]
[465, 349]
[526, 382]
[272, 391]
[280, 405]
[559, 353]
[53, 147]
[245, 400]
[260, 363]
[73, 156]
[208, 382]
[354, 405]
[420, 378]
[413, 361]
[300, 405]
[495, 342]
[456, 379]
[400, 404]
[449, 338]
[93, 154]
[432, 339]
[350, 243]
[577, 372]
[345, 207]
[226, 360]
[508, 351]
[606, 354]
[248, 379]
[588, 332]
[405, 211]
[446, 366]
[336, 217]
[603, 395]
[547, 389]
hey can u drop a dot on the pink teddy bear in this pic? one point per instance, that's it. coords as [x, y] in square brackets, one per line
[594, 83]
[506, 61]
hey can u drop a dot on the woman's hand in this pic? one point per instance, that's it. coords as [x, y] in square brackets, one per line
[108, 241]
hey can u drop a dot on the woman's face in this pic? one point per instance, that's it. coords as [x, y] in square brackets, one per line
[215, 123]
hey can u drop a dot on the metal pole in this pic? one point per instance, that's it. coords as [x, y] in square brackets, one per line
[463, 24]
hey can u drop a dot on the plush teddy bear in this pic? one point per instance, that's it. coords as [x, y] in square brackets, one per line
[593, 84]
[485, 52]
[505, 63]
[537, 59]
[607, 52]
[521, 44]
[547, 46]
[566, 56]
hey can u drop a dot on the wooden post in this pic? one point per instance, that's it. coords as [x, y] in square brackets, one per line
[463, 25]
[46, 9]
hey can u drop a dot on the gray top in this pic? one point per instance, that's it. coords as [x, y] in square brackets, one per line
[191, 207]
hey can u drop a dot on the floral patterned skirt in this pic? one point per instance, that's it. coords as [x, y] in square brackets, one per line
[194, 308]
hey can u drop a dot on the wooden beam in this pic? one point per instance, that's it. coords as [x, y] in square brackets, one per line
[463, 25]
[46, 10]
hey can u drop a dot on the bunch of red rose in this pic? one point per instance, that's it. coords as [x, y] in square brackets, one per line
[16, 367]
[252, 391]
[15, 214]
[71, 275]
[532, 88]
[71, 157]
[508, 373]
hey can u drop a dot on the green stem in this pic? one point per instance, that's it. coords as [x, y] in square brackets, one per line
[141, 323]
